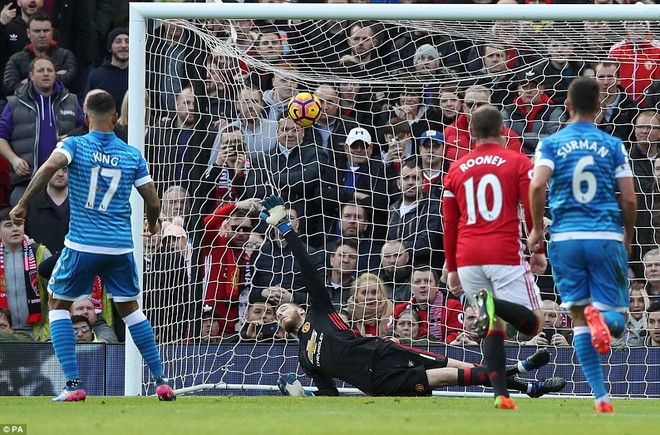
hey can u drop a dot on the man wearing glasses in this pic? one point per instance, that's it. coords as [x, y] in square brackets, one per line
[227, 271]
[458, 140]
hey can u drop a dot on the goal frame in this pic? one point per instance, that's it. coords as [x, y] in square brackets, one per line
[140, 12]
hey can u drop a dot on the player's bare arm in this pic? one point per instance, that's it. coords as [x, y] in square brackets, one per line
[537, 199]
[152, 203]
[628, 208]
[55, 162]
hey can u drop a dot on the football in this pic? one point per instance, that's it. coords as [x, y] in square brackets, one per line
[305, 109]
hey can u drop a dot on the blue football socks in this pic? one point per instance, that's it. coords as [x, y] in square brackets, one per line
[64, 342]
[143, 337]
[589, 360]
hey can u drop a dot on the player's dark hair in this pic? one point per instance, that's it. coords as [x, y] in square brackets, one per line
[5, 312]
[486, 122]
[78, 318]
[584, 96]
[101, 104]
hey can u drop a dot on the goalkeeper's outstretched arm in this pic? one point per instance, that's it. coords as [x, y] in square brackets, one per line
[275, 214]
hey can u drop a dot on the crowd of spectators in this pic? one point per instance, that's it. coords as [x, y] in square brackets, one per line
[363, 185]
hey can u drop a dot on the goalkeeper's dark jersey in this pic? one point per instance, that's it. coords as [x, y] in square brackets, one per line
[328, 347]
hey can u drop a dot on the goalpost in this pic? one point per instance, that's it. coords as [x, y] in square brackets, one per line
[209, 49]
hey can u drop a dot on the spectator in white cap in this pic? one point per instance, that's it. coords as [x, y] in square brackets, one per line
[360, 179]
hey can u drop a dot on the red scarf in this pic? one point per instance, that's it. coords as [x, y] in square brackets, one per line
[31, 282]
[97, 294]
[536, 108]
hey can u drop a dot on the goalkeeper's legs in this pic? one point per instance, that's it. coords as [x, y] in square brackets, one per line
[143, 337]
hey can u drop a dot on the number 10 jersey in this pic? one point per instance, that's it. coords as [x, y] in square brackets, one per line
[483, 191]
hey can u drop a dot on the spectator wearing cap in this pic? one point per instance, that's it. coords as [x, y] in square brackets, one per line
[428, 69]
[361, 179]
[432, 160]
[167, 293]
[112, 76]
[639, 57]
[458, 140]
[532, 115]
[618, 108]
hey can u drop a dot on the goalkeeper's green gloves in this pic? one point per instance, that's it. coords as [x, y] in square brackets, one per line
[274, 213]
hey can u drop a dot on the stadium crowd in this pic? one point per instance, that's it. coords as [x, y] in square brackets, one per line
[363, 185]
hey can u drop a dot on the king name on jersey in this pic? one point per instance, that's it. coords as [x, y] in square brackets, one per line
[573, 145]
[106, 159]
[482, 160]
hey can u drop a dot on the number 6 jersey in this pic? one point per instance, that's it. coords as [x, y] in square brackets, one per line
[102, 172]
[586, 163]
[481, 200]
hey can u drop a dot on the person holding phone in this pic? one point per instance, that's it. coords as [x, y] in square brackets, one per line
[554, 332]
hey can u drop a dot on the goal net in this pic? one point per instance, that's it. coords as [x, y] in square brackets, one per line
[397, 85]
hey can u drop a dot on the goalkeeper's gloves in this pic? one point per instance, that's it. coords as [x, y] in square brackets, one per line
[290, 386]
[274, 213]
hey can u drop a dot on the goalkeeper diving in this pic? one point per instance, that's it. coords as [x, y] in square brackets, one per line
[330, 349]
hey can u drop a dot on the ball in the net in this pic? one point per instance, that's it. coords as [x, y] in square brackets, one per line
[305, 109]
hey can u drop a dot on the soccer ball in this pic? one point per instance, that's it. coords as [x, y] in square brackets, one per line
[305, 109]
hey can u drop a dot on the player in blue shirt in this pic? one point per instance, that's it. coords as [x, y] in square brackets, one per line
[588, 248]
[102, 172]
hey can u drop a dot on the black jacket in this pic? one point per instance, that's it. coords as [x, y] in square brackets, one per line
[44, 224]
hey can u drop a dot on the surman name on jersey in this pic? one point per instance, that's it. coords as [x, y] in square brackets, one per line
[573, 145]
[482, 160]
[106, 159]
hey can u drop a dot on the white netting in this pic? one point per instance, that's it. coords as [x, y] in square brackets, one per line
[216, 90]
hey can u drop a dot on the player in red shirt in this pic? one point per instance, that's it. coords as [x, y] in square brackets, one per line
[482, 241]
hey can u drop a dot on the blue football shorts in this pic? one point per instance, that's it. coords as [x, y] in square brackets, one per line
[74, 272]
[591, 271]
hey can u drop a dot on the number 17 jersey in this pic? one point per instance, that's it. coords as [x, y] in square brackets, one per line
[585, 164]
[483, 192]
[102, 172]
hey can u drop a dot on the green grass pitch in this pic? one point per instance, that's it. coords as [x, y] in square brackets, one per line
[230, 415]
